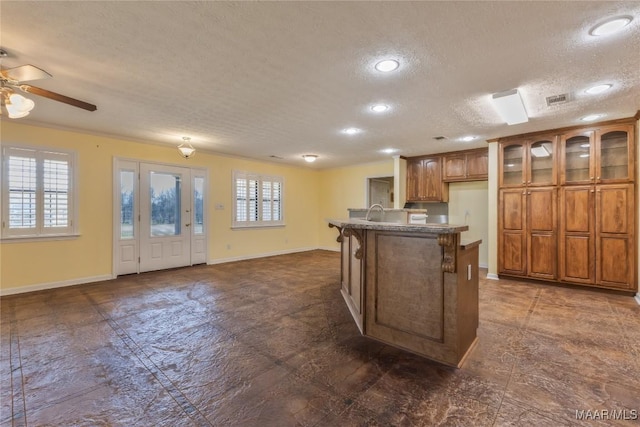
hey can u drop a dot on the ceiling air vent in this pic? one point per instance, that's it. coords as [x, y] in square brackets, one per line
[439, 138]
[557, 99]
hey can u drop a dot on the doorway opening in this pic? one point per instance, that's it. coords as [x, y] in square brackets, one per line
[380, 191]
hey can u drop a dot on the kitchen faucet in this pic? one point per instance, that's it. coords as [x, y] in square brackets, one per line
[371, 208]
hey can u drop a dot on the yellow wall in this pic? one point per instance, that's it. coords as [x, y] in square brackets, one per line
[89, 257]
[343, 188]
[468, 205]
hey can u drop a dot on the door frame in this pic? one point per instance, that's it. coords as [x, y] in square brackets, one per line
[115, 200]
[367, 185]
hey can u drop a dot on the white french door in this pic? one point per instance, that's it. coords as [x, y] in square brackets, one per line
[165, 217]
[160, 217]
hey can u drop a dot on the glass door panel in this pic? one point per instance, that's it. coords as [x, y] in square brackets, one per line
[127, 206]
[198, 205]
[542, 160]
[165, 191]
[512, 164]
[577, 151]
[614, 155]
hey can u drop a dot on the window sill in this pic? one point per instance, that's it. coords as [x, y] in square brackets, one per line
[29, 239]
[252, 227]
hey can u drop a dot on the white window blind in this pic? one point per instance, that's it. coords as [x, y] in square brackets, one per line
[36, 192]
[258, 200]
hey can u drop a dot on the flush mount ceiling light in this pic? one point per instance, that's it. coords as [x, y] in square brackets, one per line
[186, 149]
[598, 89]
[379, 108]
[351, 131]
[388, 150]
[510, 107]
[610, 26]
[468, 138]
[310, 158]
[591, 117]
[387, 65]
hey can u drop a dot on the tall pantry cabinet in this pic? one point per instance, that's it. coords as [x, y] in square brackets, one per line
[567, 209]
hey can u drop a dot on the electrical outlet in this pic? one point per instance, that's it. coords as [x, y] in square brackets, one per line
[466, 212]
[219, 207]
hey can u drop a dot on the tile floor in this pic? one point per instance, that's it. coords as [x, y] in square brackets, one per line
[269, 342]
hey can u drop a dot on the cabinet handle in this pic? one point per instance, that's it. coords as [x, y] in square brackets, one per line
[593, 191]
[528, 182]
[590, 177]
[524, 193]
[529, 193]
[598, 178]
[524, 182]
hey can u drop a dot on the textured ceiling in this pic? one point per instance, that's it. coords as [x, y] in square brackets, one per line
[261, 79]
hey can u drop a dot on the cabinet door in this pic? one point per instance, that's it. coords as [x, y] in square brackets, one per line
[542, 232]
[512, 232]
[414, 181]
[577, 234]
[432, 175]
[614, 155]
[455, 166]
[615, 266]
[576, 161]
[542, 161]
[512, 164]
[478, 165]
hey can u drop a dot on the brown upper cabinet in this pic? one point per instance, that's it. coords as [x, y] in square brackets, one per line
[602, 155]
[528, 162]
[472, 165]
[424, 180]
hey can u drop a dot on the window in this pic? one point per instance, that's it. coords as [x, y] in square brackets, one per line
[258, 200]
[37, 192]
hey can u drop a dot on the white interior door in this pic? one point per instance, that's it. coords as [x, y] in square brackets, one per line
[165, 217]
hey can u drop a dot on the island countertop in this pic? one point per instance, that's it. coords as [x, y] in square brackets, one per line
[393, 226]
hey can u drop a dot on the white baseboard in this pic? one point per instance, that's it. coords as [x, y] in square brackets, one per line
[492, 276]
[261, 255]
[329, 248]
[53, 285]
[481, 265]
[637, 297]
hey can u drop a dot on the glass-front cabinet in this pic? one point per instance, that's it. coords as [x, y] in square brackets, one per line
[530, 162]
[614, 162]
[600, 156]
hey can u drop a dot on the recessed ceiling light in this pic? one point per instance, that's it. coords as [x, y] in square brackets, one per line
[387, 65]
[379, 108]
[351, 131]
[388, 150]
[310, 158]
[610, 26]
[598, 89]
[591, 117]
[468, 138]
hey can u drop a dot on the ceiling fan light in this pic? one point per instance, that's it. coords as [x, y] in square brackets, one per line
[15, 113]
[20, 103]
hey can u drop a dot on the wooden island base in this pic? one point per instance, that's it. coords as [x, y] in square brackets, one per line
[414, 287]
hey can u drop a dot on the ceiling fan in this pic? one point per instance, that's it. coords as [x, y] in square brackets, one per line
[13, 79]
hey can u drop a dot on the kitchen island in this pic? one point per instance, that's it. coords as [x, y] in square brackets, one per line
[412, 286]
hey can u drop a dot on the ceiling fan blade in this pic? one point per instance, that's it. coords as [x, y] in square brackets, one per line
[57, 97]
[24, 73]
